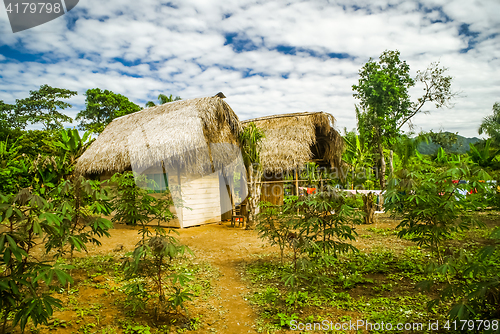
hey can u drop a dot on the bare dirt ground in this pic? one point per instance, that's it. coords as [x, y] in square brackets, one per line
[225, 248]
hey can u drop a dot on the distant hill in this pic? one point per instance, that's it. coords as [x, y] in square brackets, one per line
[460, 147]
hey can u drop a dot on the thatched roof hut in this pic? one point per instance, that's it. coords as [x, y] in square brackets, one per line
[188, 146]
[183, 133]
[296, 138]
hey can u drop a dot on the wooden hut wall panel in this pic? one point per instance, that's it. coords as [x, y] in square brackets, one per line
[272, 192]
[203, 197]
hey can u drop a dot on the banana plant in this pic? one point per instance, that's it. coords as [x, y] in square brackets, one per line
[483, 157]
[50, 170]
[72, 145]
[357, 154]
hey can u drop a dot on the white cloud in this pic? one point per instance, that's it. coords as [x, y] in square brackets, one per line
[181, 51]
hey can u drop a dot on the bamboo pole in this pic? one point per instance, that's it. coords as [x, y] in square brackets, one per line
[296, 183]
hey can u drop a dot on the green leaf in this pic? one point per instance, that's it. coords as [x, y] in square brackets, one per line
[6, 256]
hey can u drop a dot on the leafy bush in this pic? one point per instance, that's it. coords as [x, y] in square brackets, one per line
[354, 201]
[434, 207]
[151, 264]
[132, 203]
[316, 229]
[26, 217]
[14, 168]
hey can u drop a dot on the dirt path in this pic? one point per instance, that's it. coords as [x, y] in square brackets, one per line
[226, 248]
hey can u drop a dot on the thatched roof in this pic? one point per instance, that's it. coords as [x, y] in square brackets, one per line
[190, 134]
[294, 139]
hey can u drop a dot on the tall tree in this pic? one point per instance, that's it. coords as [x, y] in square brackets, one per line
[44, 106]
[162, 98]
[491, 124]
[8, 120]
[385, 104]
[6, 113]
[103, 106]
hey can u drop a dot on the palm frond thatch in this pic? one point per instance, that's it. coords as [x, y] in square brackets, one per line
[293, 139]
[188, 134]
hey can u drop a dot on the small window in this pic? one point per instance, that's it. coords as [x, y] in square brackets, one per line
[160, 182]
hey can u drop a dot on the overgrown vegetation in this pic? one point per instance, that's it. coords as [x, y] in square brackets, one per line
[46, 204]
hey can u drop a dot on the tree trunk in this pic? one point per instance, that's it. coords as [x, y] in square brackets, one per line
[368, 207]
[254, 178]
[391, 165]
[381, 174]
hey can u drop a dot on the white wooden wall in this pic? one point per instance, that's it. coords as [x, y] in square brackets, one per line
[202, 195]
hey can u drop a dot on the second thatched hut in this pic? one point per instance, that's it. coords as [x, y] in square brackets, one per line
[292, 140]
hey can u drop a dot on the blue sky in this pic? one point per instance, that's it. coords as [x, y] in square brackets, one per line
[268, 57]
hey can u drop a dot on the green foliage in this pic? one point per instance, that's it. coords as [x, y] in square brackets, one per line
[443, 139]
[49, 171]
[136, 329]
[450, 142]
[473, 286]
[491, 124]
[250, 139]
[13, 168]
[354, 201]
[385, 296]
[433, 204]
[162, 99]
[249, 142]
[46, 202]
[434, 207]
[103, 106]
[35, 142]
[79, 205]
[360, 160]
[405, 147]
[8, 116]
[313, 225]
[484, 156]
[325, 222]
[132, 203]
[385, 102]
[316, 230]
[42, 106]
[151, 264]
[165, 99]
[274, 226]
[26, 217]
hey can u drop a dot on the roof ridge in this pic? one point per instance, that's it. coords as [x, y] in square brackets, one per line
[300, 113]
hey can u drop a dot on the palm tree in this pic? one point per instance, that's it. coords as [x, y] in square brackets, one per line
[150, 104]
[165, 99]
[491, 124]
[250, 139]
[162, 98]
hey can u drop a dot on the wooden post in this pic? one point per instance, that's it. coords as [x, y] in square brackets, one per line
[296, 183]
[297, 186]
